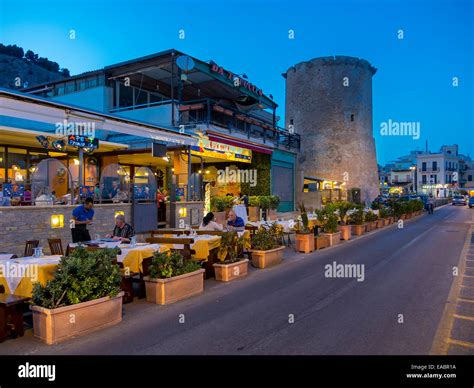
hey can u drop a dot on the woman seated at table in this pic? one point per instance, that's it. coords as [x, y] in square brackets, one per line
[123, 232]
[234, 222]
[208, 223]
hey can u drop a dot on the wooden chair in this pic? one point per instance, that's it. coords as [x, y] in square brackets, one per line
[185, 241]
[159, 232]
[252, 229]
[55, 246]
[30, 245]
[210, 232]
[11, 315]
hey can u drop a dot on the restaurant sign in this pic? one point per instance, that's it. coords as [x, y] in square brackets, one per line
[83, 142]
[214, 149]
[238, 81]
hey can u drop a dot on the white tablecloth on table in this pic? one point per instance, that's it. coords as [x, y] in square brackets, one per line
[287, 225]
[113, 244]
[241, 211]
[23, 266]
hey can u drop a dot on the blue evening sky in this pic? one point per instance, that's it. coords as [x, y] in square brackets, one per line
[413, 81]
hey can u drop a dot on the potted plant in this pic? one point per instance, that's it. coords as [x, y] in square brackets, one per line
[172, 278]
[330, 230]
[371, 219]
[320, 241]
[220, 206]
[265, 205]
[383, 214]
[266, 248]
[304, 237]
[344, 228]
[231, 255]
[254, 208]
[357, 218]
[272, 211]
[84, 296]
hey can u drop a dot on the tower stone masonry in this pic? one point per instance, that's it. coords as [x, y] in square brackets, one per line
[329, 103]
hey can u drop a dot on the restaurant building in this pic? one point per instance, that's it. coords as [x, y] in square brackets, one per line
[233, 120]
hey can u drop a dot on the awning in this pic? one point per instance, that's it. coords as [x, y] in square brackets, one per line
[239, 143]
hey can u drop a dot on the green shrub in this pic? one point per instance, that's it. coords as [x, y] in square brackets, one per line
[232, 247]
[221, 203]
[266, 238]
[330, 225]
[166, 264]
[274, 201]
[357, 218]
[254, 200]
[265, 202]
[371, 216]
[304, 219]
[383, 212]
[81, 277]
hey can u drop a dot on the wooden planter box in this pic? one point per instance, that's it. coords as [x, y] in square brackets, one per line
[358, 230]
[264, 259]
[254, 213]
[345, 231]
[56, 325]
[380, 223]
[332, 238]
[386, 222]
[304, 242]
[170, 290]
[320, 242]
[229, 272]
[367, 226]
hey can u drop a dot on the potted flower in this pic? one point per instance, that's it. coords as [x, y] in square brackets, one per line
[84, 296]
[304, 237]
[344, 228]
[330, 230]
[231, 255]
[254, 208]
[272, 211]
[357, 218]
[266, 248]
[220, 207]
[172, 278]
[371, 219]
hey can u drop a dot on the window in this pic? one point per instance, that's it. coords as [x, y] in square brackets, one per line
[423, 166]
[2, 164]
[435, 166]
[352, 117]
[469, 178]
[423, 179]
[60, 90]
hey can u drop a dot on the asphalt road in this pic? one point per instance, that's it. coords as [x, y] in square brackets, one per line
[396, 309]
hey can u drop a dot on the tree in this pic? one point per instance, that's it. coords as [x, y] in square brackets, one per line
[30, 55]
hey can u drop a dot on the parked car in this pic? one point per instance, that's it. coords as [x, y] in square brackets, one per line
[459, 200]
[471, 202]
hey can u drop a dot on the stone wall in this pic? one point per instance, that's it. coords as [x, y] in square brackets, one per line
[329, 103]
[21, 223]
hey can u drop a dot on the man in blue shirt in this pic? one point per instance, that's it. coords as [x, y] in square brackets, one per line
[234, 222]
[82, 216]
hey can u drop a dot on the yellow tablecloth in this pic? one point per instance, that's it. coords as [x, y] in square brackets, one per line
[203, 244]
[134, 257]
[25, 286]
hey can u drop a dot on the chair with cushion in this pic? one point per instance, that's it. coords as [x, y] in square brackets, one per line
[55, 246]
[30, 245]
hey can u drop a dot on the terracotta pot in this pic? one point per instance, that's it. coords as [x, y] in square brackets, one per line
[254, 213]
[332, 238]
[170, 290]
[345, 231]
[220, 218]
[56, 325]
[403, 216]
[320, 242]
[373, 225]
[304, 242]
[380, 223]
[229, 272]
[386, 222]
[367, 226]
[264, 259]
[358, 230]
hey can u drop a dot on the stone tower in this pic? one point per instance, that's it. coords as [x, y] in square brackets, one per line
[329, 103]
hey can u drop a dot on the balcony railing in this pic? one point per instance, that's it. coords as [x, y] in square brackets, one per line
[429, 169]
[208, 112]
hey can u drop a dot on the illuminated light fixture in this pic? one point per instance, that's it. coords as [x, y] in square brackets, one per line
[88, 150]
[182, 212]
[172, 169]
[15, 167]
[200, 172]
[118, 213]
[208, 172]
[33, 168]
[43, 141]
[57, 221]
[146, 174]
[76, 162]
[166, 159]
[59, 145]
